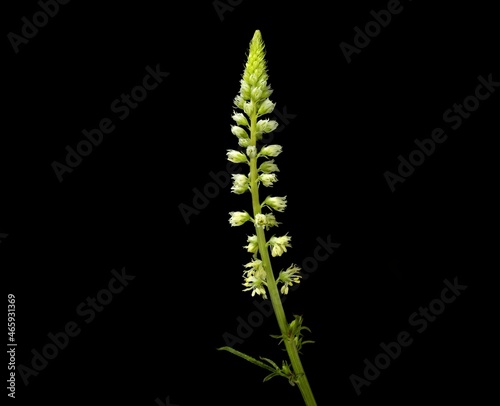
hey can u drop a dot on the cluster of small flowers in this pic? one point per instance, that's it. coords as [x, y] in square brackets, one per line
[241, 183]
[253, 100]
[289, 277]
[255, 278]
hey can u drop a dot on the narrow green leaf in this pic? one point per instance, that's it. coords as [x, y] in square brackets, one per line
[268, 377]
[247, 357]
[271, 362]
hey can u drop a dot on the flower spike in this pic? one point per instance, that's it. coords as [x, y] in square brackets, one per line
[249, 125]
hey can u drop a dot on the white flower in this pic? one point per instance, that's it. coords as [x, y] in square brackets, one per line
[240, 119]
[236, 156]
[244, 142]
[255, 280]
[275, 203]
[239, 101]
[266, 126]
[271, 221]
[266, 107]
[289, 277]
[245, 89]
[265, 220]
[279, 245]
[240, 184]
[260, 220]
[253, 245]
[268, 179]
[268, 167]
[249, 108]
[252, 151]
[271, 150]
[253, 78]
[256, 93]
[238, 218]
[267, 91]
[239, 132]
[255, 264]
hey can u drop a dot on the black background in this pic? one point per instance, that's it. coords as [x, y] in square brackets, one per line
[120, 207]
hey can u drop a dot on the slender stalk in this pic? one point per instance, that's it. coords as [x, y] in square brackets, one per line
[290, 346]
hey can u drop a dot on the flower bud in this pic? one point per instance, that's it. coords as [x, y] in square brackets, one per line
[252, 151]
[266, 107]
[239, 102]
[253, 245]
[260, 220]
[275, 203]
[249, 108]
[271, 221]
[271, 150]
[268, 167]
[236, 156]
[253, 78]
[244, 142]
[245, 90]
[268, 179]
[240, 119]
[267, 92]
[266, 126]
[238, 218]
[256, 94]
[240, 184]
[239, 132]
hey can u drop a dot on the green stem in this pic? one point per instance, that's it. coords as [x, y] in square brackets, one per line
[290, 346]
